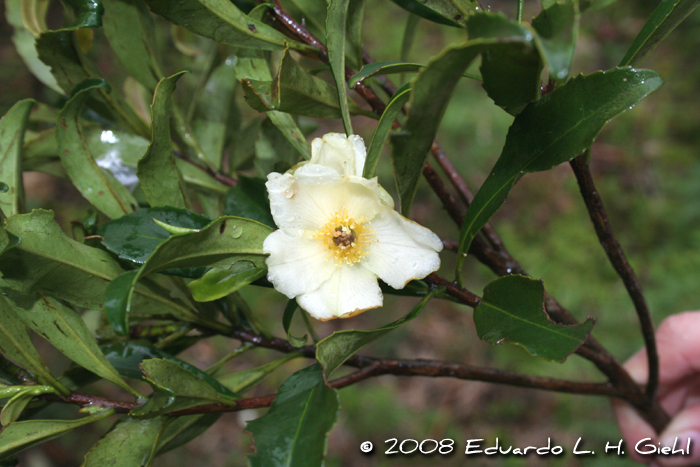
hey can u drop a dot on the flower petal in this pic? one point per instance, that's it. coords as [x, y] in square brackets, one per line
[346, 155]
[296, 264]
[350, 290]
[314, 193]
[403, 250]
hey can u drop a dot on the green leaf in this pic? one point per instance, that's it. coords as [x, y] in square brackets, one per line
[389, 68]
[100, 188]
[511, 73]
[176, 388]
[557, 29]
[223, 22]
[18, 436]
[12, 126]
[273, 153]
[60, 51]
[254, 65]
[355, 17]
[336, 23]
[430, 93]
[16, 345]
[289, 312]
[439, 11]
[24, 40]
[409, 35]
[218, 283]
[553, 130]
[66, 331]
[116, 302]
[383, 68]
[222, 243]
[335, 349]
[295, 91]
[46, 260]
[512, 311]
[130, 443]
[160, 179]
[127, 356]
[241, 381]
[294, 432]
[135, 236]
[13, 408]
[249, 199]
[130, 30]
[213, 107]
[381, 132]
[184, 429]
[85, 13]
[665, 18]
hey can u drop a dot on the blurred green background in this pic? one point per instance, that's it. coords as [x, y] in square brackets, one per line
[647, 167]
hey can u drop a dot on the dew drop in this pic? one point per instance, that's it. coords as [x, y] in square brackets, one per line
[289, 193]
[237, 232]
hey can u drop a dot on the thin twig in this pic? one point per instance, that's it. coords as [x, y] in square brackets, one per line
[616, 255]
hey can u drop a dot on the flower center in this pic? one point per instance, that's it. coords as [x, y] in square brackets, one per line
[345, 238]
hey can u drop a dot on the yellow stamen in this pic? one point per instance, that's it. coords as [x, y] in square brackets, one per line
[345, 238]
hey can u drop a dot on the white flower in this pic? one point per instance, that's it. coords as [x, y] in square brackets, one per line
[338, 232]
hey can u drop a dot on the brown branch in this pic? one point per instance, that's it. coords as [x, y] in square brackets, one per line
[225, 179]
[373, 368]
[616, 255]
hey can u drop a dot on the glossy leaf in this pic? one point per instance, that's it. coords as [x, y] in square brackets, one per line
[336, 22]
[85, 13]
[439, 11]
[130, 443]
[512, 311]
[553, 130]
[273, 152]
[218, 283]
[116, 302]
[511, 68]
[101, 189]
[182, 430]
[24, 41]
[557, 29]
[222, 243]
[254, 66]
[66, 331]
[46, 260]
[176, 388]
[430, 92]
[381, 132]
[241, 381]
[249, 199]
[127, 356]
[160, 179]
[355, 17]
[13, 408]
[135, 236]
[223, 22]
[19, 436]
[12, 126]
[16, 345]
[213, 106]
[294, 432]
[335, 349]
[289, 312]
[130, 30]
[389, 68]
[60, 51]
[664, 19]
[295, 91]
